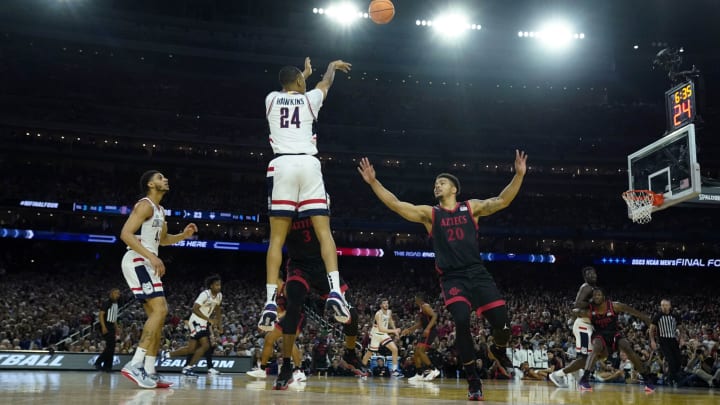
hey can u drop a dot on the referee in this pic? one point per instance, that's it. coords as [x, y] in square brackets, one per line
[665, 324]
[108, 317]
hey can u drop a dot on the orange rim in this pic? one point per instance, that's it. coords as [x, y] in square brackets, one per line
[657, 198]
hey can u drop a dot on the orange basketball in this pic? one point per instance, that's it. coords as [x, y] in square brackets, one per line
[381, 11]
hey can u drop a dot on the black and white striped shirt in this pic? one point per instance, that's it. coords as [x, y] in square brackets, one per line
[666, 324]
[111, 312]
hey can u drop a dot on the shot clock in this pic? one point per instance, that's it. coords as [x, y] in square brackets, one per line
[680, 105]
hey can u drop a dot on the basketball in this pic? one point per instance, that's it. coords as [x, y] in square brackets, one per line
[381, 11]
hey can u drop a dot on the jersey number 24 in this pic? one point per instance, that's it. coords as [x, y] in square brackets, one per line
[286, 120]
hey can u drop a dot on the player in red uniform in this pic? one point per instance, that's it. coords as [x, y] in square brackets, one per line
[607, 338]
[466, 284]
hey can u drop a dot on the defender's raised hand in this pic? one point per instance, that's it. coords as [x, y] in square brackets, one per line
[366, 170]
[520, 165]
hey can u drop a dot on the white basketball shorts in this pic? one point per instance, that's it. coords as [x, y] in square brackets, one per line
[583, 330]
[295, 186]
[140, 277]
[378, 339]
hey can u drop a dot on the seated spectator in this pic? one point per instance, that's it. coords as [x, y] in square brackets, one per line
[381, 370]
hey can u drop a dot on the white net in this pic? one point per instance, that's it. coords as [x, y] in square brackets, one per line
[640, 204]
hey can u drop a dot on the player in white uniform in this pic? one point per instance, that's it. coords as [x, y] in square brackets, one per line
[295, 182]
[582, 328]
[143, 270]
[383, 325]
[206, 316]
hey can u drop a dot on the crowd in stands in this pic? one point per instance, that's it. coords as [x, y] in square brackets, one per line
[42, 305]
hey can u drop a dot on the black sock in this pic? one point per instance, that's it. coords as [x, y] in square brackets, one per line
[287, 364]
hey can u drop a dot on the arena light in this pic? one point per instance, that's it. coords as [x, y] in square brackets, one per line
[343, 13]
[554, 35]
[450, 25]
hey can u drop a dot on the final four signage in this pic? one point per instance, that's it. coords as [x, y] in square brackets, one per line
[656, 262]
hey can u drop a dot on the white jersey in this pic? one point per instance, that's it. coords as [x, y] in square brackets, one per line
[384, 319]
[291, 116]
[151, 229]
[207, 303]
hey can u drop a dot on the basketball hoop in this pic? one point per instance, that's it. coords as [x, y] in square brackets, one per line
[640, 204]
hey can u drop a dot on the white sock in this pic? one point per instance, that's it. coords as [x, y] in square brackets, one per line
[138, 357]
[561, 373]
[334, 280]
[150, 364]
[271, 292]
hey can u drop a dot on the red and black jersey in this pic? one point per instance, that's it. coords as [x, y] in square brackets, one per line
[302, 244]
[455, 238]
[605, 323]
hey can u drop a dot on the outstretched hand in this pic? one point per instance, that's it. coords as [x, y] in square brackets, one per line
[308, 68]
[520, 159]
[366, 170]
[342, 66]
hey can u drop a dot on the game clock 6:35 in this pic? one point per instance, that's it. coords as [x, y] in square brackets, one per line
[680, 102]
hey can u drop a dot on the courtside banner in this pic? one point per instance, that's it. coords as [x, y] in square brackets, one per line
[42, 360]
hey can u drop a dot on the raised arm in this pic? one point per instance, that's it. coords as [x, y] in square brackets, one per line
[487, 207]
[421, 214]
[329, 76]
[620, 307]
[308, 68]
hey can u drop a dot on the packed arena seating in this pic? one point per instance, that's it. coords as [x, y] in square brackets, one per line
[38, 312]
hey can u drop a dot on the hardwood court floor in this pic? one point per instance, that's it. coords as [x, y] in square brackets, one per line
[78, 388]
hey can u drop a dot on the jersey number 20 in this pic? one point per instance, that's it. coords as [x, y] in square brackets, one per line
[294, 120]
[455, 234]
